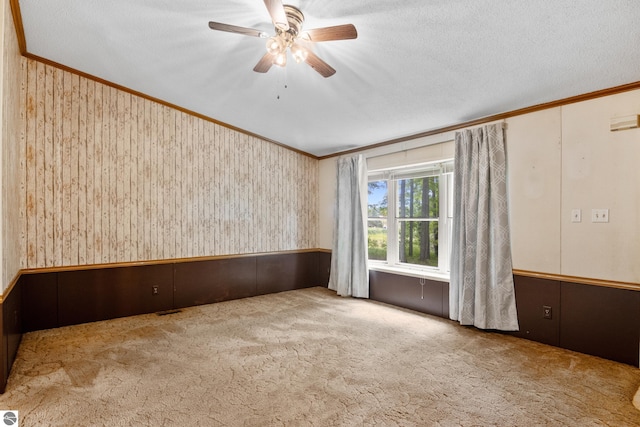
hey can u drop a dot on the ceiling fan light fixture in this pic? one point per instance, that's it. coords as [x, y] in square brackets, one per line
[299, 53]
[281, 59]
[275, 45]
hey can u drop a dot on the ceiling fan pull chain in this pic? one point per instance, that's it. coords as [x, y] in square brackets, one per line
[285, 85]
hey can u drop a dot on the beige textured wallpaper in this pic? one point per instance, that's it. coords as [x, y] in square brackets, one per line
[111, 177]
[10, 126]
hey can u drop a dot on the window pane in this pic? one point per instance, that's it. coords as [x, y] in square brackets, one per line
[377, 239]
[418, 197]
[418, 242]
[377, 199]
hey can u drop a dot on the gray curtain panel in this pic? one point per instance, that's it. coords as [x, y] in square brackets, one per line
[482, 290]
[349, 275]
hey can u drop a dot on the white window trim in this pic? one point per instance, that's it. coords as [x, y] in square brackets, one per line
[440, 273]
[420, 273]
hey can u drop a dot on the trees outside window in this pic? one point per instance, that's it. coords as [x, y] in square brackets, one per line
[411, 227]
[377, 220]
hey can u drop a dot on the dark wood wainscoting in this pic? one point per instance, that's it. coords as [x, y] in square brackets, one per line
[591, 319]
[40, 293]
[280, 272]
[409, 292]
[324, 267]
[597, 320]
[532, 294]
[601, 321]
[54, 298]
[62, 298]
[11, 327]
[101, 294]
[206, 282]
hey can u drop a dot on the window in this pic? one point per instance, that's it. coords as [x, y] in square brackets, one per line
[377, 220]
[410, 216]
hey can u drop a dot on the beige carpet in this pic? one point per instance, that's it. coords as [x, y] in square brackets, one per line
[308, 358]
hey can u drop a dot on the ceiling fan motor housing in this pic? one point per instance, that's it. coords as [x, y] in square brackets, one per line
[295, 18]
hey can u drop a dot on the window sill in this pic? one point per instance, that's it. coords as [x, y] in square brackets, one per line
[430, 275]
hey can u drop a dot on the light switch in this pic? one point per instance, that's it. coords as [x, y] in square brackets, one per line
[576, 215]
[599, 215]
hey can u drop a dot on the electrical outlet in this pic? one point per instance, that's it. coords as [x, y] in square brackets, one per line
[154, 290]
[546, 312]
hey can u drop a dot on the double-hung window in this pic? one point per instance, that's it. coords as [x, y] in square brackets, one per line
[410, 216]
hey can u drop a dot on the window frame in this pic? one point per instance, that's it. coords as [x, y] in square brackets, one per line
[444, 170]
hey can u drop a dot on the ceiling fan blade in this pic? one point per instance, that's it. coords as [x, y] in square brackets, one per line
[339, 32]
[278, 15]
[238, 30]
[264, 64]
[319, 65]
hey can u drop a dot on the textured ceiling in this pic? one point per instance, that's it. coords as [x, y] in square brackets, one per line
[416, 65]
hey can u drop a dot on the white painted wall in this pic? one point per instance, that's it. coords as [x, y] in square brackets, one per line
[601, 169]
[326, 201]
[534, 158]
[560, 159]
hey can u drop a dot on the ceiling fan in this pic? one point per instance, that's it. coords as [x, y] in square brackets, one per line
[288, 22]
